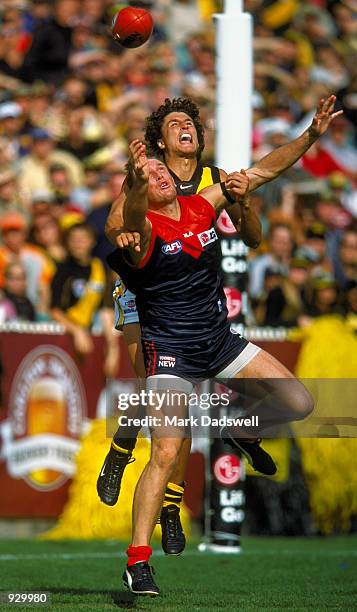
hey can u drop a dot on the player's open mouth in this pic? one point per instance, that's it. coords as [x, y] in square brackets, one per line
[185, 138]
[164, 185]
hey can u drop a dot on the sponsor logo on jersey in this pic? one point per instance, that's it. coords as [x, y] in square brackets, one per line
[185, 186]
[130, 305]
[227, 469]
[188, 234]
[172, 248]
[207, 237]
[166, 361]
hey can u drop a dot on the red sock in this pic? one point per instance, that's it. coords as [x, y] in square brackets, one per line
[136, 554]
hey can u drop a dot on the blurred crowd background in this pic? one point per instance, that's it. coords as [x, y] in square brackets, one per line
[71, 99]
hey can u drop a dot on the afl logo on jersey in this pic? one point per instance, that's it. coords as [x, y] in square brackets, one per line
[207, 237]
[172, 248]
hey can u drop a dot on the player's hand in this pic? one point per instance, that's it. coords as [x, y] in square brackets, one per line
[140, 161]
[128, 240]
[323, 116]
[237, 184]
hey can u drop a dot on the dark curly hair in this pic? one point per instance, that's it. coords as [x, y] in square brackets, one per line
[155, 120]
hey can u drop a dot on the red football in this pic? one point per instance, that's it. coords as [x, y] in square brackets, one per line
[132, 26]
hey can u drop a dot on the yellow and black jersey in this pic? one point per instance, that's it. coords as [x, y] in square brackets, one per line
[203, 176]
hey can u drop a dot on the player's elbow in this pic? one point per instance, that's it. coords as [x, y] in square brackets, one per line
[110, 233]
[252, 244]
[253, 240]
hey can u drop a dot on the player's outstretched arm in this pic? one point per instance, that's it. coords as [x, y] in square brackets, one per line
[282, 158]
[114, 227]
[249, 226]
[136, 202]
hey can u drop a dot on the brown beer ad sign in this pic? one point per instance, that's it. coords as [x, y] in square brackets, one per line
[47, 415]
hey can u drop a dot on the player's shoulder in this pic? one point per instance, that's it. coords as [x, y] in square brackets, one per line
[196, 203]
[215, 171]
[209, 175]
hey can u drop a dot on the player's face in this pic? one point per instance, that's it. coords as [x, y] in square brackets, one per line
[161, 188]
[179, 135]
[80, 243]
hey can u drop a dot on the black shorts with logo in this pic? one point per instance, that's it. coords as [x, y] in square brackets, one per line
[201, 360]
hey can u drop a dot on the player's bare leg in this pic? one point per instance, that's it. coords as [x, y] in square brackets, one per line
[280, 398]
[165, 446]
[150, 489]
[120, 454]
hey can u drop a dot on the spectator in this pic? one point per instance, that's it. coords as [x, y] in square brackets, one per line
[78, 287]
[15, 291]
[9, 195]
[14, 41]
[11, 122]
[280, 246]
[41, 202]
[345, 268]
[35, 168]
[350, 304]
[16, 249]
[46, 234]
[314, 247]
[48, 56]
[323, 299]
[84, 135]
[338, 144]
[285, 301]
[98, 217]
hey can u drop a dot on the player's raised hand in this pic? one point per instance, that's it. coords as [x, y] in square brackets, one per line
[128, 240]
[238, 184]
[140, 161]
[323, 116]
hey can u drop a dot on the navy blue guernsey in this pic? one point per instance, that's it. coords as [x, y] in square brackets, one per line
[178, 285]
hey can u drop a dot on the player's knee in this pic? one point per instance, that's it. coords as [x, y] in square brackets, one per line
[303, 403]
[165, 455]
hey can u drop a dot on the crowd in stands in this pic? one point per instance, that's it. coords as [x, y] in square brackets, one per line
[71, 99]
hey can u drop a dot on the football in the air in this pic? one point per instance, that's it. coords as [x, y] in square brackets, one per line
[132, 26]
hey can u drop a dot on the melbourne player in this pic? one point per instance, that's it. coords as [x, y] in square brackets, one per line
[186, 335]
[175, 134]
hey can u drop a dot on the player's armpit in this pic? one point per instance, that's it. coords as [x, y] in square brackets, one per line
[213, 194]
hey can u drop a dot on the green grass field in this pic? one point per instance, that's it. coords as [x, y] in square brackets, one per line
[272, 573]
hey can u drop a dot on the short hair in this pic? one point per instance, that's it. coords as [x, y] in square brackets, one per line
[280, 225]
[79, 226]
[155, 120]
[14, 264]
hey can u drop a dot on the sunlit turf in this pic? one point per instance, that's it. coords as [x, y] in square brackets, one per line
[272, 573]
